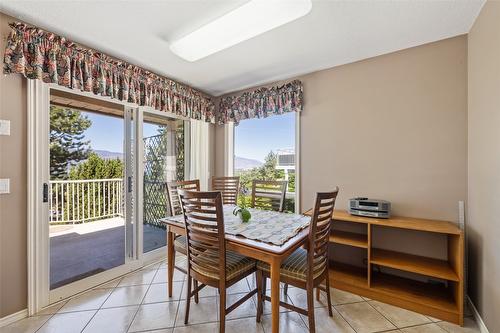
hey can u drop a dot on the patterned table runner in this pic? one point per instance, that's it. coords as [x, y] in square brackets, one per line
[265, 225]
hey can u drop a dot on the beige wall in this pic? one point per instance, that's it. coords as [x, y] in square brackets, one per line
[13, 260]
[483, 229]
[391, 127]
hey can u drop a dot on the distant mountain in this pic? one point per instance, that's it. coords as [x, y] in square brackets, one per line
[241, 163]
[108, 155]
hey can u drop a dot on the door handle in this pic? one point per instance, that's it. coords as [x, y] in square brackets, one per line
[129, 184]
[45, 194]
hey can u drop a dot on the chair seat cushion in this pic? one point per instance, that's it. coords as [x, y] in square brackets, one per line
[295, 266]
[236, 265]
[180, 244]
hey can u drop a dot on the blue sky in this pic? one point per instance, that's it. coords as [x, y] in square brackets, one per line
[254, 138]
[106, 133]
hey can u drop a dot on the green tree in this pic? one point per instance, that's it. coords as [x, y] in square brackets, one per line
[267, 171]
[291, 182]
[96, 167]
[67, 144]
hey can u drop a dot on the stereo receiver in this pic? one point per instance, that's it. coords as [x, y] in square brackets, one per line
[370, 207]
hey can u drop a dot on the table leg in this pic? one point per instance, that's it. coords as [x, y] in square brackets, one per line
[275, 294]
[170, 260]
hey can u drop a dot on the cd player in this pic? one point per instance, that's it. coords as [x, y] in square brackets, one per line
[370, 207]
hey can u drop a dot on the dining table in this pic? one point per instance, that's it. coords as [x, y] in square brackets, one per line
[269, 236]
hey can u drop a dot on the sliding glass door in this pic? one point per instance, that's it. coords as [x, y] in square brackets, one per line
[90, 192]
[163, 161]
[101, 168]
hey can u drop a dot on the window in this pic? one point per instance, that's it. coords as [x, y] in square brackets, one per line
[265, 149]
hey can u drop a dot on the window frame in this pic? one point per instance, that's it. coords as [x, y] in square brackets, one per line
[229, 151]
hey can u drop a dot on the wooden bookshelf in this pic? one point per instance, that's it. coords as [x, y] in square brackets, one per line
[443, 301]
[415, 264]
[349, 238]
[349, 274]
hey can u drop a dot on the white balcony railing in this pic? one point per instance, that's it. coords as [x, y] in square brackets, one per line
[77, 201]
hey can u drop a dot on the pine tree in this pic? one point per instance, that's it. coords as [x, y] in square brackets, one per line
[67, 144]
[268, 170]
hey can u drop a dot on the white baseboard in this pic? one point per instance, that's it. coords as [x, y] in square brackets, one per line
[477, 317]
[7, 320]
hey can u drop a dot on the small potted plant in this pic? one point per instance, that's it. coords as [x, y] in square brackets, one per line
[241, 210]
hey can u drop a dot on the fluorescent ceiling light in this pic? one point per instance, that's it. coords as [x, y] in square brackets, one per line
[251, 19]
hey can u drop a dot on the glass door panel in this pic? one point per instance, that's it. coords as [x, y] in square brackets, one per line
[90, 205]
[163, 161]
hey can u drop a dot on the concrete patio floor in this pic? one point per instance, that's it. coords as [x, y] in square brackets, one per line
[81, 250]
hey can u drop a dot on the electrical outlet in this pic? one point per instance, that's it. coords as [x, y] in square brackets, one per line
[4, 127]
[4, 186]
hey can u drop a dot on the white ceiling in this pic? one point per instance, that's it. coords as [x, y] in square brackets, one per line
[332, 34]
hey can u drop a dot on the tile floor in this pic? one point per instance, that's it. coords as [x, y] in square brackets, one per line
[138, 302]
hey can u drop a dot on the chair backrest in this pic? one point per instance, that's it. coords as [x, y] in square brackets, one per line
[204, 223]
[173, 195]
[229, 187]
[269, 194]
[319, 232]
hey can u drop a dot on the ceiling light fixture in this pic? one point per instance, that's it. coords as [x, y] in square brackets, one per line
[249, 20]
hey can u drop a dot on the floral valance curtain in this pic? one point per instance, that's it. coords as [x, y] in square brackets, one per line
[41, 55]
[262, 102]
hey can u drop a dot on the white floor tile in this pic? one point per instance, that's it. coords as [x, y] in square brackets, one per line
[298, 297]
[246, 325]
[427, 328]
[470, 326]
[205, 292]
[239, 287]
[205, 311]
[71, 322]
[245, 310]
[363, 318]
[344, 297]
[267, 304]
[325, 323]
[52, 308]
[161, 276]
[91, 300]
[159, 293]
[125, 296]
[109, 285]
[27, 325]
[398, 316]
[155, 316]
[249, 325]
[114, 320]
[290, 322]
[138, 278]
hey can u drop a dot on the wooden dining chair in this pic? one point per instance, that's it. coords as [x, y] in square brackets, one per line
[229, 187]
[176, 209]
[173, 195]
[269, 194]
[305, 268]
[208, 261]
